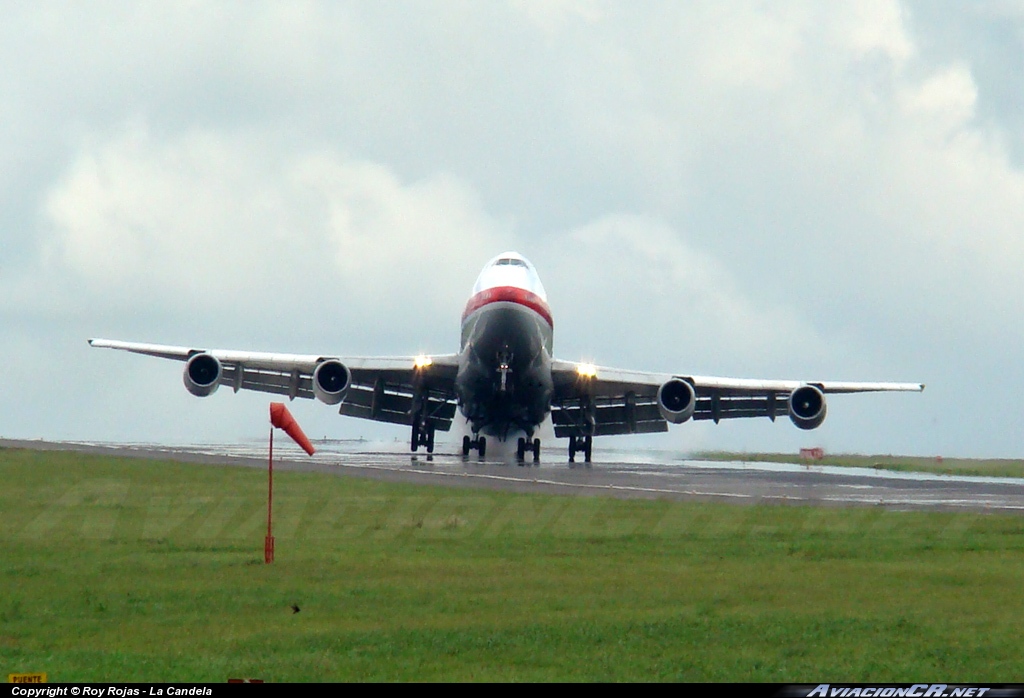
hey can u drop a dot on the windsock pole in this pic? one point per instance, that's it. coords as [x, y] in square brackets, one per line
[268, 545]
[280, 418]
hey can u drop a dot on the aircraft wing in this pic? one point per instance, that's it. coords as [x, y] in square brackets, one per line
[616, 401]
[383, 389]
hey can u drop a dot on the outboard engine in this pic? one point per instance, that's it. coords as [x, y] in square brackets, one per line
[807, 407]
[676, 400]
[331, 380]
[202, 374]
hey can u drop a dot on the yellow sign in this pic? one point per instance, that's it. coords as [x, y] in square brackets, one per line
[26, 678]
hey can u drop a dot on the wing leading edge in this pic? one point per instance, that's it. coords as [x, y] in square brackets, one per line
[384, 389]
[602, 401]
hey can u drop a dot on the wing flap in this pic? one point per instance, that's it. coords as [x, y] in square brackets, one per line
[601, 416]
[716, 406]
[294, 384]
[389, 402]
[351, 409]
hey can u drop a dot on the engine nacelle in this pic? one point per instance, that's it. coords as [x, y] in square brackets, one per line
[676, 400]
[331, 380]
[202, 374]
[807, 407]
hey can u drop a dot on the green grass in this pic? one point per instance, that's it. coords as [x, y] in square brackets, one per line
[991, 467]
[131, 570]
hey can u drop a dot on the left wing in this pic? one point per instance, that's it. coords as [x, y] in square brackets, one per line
[384, 389]
[597, 400]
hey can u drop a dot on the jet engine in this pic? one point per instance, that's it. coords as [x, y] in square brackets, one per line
[807, 407]
[331, 380]
[676, 400]
[202, 374]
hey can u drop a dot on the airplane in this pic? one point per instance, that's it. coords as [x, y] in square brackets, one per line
[504, 380]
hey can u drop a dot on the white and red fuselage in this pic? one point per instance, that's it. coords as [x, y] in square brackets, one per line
[504, 383]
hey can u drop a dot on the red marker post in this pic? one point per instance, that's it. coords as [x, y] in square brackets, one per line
[280, 418]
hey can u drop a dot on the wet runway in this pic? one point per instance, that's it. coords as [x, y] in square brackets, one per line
[626, 474]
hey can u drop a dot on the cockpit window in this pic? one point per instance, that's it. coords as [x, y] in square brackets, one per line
[512, 262]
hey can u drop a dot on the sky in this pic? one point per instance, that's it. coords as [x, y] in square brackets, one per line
[799, 190]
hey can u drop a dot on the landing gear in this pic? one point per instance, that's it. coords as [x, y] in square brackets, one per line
[523, 445]
[580, 443]
[422, 435]
[479, 443]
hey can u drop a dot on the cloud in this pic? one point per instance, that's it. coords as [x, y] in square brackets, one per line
[554, 15]
[634, 287]
[227, 227]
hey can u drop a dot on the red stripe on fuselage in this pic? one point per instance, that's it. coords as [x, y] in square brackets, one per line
[509, 294]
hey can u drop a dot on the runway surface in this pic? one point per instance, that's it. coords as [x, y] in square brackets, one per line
[633, 474]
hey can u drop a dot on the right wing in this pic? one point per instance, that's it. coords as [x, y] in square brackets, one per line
[383, 389]
[599, 400]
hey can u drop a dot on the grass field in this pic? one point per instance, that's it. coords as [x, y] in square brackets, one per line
[131, 570]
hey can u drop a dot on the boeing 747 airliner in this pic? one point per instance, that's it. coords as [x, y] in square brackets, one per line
[504, 380]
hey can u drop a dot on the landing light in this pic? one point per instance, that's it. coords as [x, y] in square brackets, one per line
[586, 370]
[422, 362]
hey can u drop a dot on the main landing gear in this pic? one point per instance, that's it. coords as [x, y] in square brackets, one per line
[422, 435]
[523, 445]
[578, 444]
[477, 442]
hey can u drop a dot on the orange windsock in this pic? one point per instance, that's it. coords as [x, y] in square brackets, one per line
[281, 418]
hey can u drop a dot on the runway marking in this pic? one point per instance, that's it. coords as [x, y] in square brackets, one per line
[698, 493]
[505, 478]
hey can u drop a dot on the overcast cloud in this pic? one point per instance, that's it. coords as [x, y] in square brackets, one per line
[779, 190]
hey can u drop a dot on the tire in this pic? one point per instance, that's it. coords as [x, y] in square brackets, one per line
[467, 444]
[482, 447]
[536, 450]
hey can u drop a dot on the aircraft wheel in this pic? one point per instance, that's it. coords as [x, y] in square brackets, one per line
[536, 450]
[482, 447]
[588, 445]
[430, 439]
[415, 441]
[467, 444]
[521, 450]
[572, 449]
